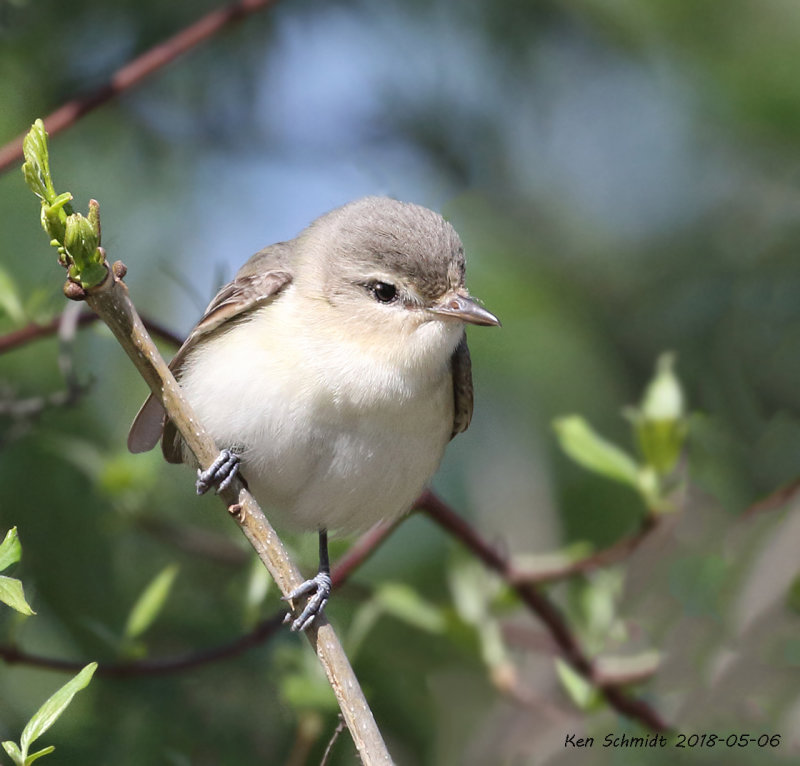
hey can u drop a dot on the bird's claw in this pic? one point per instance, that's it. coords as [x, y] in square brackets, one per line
[321, 586]
[219, 474]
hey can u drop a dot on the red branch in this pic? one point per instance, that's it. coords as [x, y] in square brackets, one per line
[524, 584]
[358, 553]
[547, 612]
[35, 331]
[137, 70]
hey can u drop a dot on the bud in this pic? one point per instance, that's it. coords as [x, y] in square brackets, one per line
[74, 291]
[663, 398]
[54, 216]
[81, 241]
[660, 421]
[94, 217]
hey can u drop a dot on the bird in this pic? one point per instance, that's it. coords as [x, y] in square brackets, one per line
[334, 370]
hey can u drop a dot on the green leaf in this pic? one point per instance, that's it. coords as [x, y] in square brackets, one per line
[580, 691]
[10, 549]
[404, 603]
[12, 749]
[11, 593]
[38, 754]
[301, 692]
[48, 713]
[150, 602]
[793, 596]
[660, 421]
[10, 302]
[579, 440]
[36, 168]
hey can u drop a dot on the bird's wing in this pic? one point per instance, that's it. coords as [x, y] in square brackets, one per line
[257, 282]
[461, 367]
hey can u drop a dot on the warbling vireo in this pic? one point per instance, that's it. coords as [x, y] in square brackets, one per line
[333, 369]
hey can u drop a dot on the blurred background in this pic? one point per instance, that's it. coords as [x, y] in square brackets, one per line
[626, 179]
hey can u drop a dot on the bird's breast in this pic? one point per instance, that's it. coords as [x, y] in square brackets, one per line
[331, 436]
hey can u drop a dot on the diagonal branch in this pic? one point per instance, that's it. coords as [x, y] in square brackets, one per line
[358, 553]
[540, 605]
[35, 331]
[136, 71]
[619, 551]
[112, 303]
[523, 583]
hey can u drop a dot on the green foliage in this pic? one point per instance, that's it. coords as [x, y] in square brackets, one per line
[579, 440]
[10, 301]
[660, 422]
[660, 427]
[639, 194]
[11, 591]
[584, 695]
[77, 238]
[150, 603]
[46, 716]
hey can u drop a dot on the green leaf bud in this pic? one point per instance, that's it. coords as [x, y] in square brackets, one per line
[660, 422]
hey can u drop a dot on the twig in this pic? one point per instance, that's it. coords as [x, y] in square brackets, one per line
[358, 553]
[611, 555]
[138, 70]
[777, 499]
[329, 749]
[24, 411]
[155, 667]
[547, 612]
[448, 520]
[111, 302]
[35, 331]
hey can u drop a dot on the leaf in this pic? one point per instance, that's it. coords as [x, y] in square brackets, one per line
[303, 692]
[11, 593]
[38, 754]
[10, 549]
[10, 302]
[150, 602]
[48, 713]
[580, 691]
[587, 448]
[793, 596]
[405, 604]
[12, 749]
[36, 168]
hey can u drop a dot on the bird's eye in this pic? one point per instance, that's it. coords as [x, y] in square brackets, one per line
[384, 292]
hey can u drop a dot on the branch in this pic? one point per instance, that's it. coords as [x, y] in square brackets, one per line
[138, 70]
[90, 278]
[547, 612]
[602, 558]
[354, 558]
[111, 301]
[521, 581]
[36, 331]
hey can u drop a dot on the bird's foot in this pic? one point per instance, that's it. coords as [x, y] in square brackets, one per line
[219, 474]
[320, 585]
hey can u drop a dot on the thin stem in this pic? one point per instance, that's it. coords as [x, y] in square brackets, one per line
[358, 553]
[137, 70]
[111, 301]
[619, 551]
[547, 612]
[35, 331]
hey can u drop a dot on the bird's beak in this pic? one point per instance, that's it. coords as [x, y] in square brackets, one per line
[466, 309]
